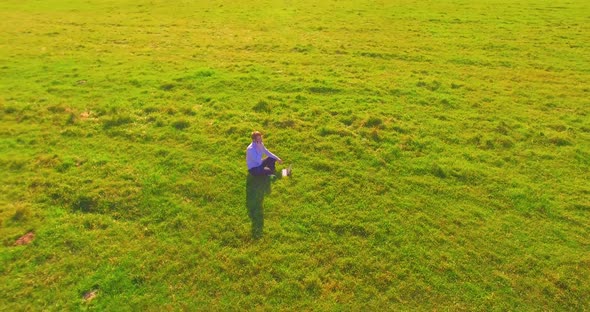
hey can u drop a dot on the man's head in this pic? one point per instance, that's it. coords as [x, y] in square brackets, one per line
[256, 137]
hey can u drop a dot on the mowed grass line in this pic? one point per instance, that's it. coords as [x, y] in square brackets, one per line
[441, 155]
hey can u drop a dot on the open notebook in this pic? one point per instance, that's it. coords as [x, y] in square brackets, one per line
[286, 172]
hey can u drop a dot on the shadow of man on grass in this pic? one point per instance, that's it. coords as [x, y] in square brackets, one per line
[256, 188]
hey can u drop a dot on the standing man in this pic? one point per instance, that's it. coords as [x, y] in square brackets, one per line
[256, 165]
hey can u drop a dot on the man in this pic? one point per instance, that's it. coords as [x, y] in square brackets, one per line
[256, 165]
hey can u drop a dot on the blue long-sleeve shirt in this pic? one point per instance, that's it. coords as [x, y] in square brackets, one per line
[254, 154]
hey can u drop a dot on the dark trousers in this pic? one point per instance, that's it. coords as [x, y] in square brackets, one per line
[267, 167]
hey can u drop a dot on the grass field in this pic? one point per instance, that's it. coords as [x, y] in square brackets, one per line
[441, 155]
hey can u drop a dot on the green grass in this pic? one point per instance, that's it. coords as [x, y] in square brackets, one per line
[441, 155]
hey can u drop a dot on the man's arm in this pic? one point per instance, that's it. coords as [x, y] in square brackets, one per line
[269, 154]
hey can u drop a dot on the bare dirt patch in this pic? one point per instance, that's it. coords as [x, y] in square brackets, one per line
[25, 239]
[85, 115]
[90, 295]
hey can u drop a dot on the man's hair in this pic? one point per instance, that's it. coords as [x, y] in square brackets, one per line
[255, 134]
